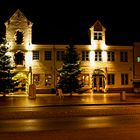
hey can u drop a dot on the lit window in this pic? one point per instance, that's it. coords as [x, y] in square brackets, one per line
[36, 79]
[48, 79]
[138, 59]
[85, 79]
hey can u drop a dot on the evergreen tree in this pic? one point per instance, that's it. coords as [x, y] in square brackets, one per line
[7, 83]
[69, 73]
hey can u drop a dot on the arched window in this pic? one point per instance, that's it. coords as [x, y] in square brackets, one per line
[19, 58]
[19, 37]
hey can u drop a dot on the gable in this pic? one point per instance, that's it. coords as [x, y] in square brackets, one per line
[97, 26]
[18, 17]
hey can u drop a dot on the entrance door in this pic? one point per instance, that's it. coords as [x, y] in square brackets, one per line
[98, 83]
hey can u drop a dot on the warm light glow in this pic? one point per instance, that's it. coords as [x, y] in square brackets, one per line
[104, 56]
[29, 47]
[98, 45]
[11, 57]
[9, 54]
[105, 98]
[28, 58]
[9, 45]
[103, 46]
[92, 57]
[93, 45]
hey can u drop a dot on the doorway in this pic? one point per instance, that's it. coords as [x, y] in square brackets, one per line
[98, 81]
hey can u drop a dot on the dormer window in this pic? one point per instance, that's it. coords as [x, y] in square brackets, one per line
[19, 37]
[97, 35]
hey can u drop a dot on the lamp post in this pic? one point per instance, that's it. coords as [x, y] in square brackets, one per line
[30, 75]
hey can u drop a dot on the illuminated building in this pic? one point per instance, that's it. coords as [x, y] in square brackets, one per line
[105, 68]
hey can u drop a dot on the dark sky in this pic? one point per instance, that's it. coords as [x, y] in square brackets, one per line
[56, 21]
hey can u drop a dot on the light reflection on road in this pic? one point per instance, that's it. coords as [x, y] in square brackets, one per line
[68, 123]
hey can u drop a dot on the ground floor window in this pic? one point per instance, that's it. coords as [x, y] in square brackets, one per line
[111, 79]
[85, 79]
[124, 79]
[48, 79]
[36, 79]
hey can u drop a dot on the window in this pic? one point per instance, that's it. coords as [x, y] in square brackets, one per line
[111, 79]
[97, 35]
[138, 59]
[19, 37]
[98, 56]
[110, 56]
[85, 55]
[35, 55]
[85, 79]
[19, 58]
[36, 79]
[48, 55]
[60, 55]
[48, 79]
[124, 79]
[123, 56]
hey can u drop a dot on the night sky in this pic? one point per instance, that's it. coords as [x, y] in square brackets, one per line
[56, 22]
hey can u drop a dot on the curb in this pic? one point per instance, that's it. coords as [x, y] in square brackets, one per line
[63, 105]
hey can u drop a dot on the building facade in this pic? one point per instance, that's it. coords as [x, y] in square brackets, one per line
[105, 68]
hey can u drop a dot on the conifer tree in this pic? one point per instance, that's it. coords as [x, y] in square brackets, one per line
[69, 73]
[7, 83]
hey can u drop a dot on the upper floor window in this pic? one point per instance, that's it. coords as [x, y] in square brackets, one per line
[97, 35]
[35, 55]
[110, 56]
[98, 56]
[48, 55]
[123, 56]
[19, 37]
[60, 55]
[85, 55]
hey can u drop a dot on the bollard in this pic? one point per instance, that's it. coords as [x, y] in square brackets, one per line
[123, 96]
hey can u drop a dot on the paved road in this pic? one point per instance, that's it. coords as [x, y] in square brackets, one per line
[64, 111]
[67, 123]
[117, 120]
[124, 127]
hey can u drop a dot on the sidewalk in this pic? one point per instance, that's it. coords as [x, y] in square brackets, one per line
[76, 99]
